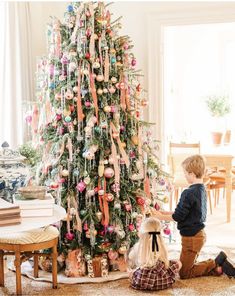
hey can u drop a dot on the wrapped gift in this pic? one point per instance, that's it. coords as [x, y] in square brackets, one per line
[97, 266]
[75, 264]
[118, 263]
[45, 263]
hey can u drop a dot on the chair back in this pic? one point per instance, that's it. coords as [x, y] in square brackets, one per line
[187, 148]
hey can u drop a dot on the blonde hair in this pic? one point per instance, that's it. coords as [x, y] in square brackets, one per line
[195, 164]
[142, 255]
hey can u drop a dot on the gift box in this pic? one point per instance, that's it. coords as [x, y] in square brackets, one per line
[75, 264]
[98, 266]
[118, 263]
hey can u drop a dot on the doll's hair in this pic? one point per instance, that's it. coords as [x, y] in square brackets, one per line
[142, 254]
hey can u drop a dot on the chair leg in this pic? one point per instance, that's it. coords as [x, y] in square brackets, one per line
[1, 269]
[210, 203]
[35, 267]
[18, 273]
[54, 266]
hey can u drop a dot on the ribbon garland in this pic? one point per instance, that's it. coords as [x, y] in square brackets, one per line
[123, 152]
[80, 114]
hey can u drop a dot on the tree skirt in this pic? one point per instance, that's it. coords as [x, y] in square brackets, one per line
[174, 252]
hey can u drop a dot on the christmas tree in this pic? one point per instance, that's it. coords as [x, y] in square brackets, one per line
[98, 156]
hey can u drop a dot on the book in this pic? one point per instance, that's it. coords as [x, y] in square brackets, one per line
[10, 221]
[7, 216]
[8, 208]
[36, 212]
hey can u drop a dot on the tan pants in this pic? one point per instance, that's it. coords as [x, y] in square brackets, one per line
[191, 247]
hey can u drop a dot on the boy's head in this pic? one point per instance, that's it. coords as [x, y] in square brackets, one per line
[194, 165]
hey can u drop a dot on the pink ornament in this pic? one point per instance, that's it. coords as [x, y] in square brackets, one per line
[115, 187]
[108, 173]
[128, 207]
[133, 62]
[81, 186]
[54, 185]
[132, 154]
[58, 117]
[126, 46]
[110, 228]
[61, 180]
[122, 128]
[167, 231]
[112, 109]
[85, 226]
[140, 201]
[162, 182]
[69, 236]
[88, 32]
[156, 206]
[112, 90]
[113, 255]
[131, 227]
[122, 85]
[88, 104]
[28, 118]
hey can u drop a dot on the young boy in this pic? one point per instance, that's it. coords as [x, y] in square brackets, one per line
[190, 215]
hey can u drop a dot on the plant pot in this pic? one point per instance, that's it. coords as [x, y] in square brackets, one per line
[217, 138]
[227, 137]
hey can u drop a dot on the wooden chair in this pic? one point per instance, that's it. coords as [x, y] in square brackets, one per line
[28, 244]
[184, 148]
[177, 153]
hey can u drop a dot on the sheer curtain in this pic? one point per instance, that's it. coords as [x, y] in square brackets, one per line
[15, 70]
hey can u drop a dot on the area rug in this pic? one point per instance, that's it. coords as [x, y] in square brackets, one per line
[174, 252]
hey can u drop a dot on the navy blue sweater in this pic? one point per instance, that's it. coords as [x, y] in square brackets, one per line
[191, 210]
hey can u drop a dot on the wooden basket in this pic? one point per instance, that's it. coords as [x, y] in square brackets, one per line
[33, 192]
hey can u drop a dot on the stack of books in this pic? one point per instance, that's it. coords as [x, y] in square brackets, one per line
[35, 207]
[9, 213]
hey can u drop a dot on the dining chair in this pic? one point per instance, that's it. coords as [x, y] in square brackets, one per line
[177, 153]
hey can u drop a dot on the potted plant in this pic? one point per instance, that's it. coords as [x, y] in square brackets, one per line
[219, 107]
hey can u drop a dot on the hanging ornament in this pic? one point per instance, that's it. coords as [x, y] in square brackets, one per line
[99, 215]
[65, 173]
[167, 231]
[107, 109]
[113, 79]
[108, 173]
[109, 197]
[99, 77]
[99, 91]
[117, 206]
[54, 185]
[69, 236]
[135, 140]
[156, 206]
[113, 255]
[67, 119]
[81, 186]
[131, 227]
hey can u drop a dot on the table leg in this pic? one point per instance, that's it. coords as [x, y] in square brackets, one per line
[228, 186]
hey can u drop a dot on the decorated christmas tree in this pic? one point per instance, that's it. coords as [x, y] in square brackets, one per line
[98, 160]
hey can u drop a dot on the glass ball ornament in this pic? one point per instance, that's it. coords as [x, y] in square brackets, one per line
[65, 173]
[117, 206]
[113, 255]
[99, 77]
[99, 215]
[67, 119]
[109, 197]
[81, 186]
[76, 172]
[108, 173]
[87, 180]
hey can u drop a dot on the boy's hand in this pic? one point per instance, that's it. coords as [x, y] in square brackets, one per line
[156, 213]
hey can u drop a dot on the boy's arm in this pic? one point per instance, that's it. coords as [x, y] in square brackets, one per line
[167, 216]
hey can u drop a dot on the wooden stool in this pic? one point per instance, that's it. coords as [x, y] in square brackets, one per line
[28, 244]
